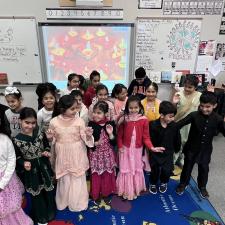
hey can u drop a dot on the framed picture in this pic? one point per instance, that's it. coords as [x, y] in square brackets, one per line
[150, 4]
[166, 76]
[3, 78]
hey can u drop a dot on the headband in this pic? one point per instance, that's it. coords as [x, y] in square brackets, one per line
[11, 90]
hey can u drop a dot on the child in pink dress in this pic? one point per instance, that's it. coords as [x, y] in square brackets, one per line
[102, 94]
[70, 136]
[11, 188]
[119, 95]
[102, 158]
[133, 133]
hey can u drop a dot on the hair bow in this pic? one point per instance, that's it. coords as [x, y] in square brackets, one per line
[11, 90]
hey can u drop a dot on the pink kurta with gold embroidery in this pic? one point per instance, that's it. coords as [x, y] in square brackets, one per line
[71, 162]
[70, 149]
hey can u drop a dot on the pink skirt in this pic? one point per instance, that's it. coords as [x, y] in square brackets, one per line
[130, 180]
[10, 203]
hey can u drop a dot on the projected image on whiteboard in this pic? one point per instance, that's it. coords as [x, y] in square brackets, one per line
[81, 49]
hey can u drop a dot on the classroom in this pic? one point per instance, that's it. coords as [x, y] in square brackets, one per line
[128, 44]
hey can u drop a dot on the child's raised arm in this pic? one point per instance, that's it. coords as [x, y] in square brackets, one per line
[86, 134]
[146, 137]
[152, 148]
[186, 120]
[176, 98]
[50, 134]
[111, 130]
[177, 141]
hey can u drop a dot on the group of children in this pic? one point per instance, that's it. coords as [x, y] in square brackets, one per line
[112, 139]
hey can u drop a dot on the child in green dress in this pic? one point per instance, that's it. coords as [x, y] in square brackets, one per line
[33, 167]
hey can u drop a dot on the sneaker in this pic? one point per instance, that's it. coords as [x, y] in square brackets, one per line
[123, 198]
[180, 189]
[163, 188]
[203, 192]
[107, 200]
[97, 202]
[153, 189]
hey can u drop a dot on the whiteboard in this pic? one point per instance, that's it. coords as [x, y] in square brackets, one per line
[19, 52]
[163, 42]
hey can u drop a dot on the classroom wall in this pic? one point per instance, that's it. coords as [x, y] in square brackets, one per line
[29, 96]
[210, 27]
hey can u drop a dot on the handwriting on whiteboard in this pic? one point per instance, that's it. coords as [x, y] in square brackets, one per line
[12, 53]
[6, 35]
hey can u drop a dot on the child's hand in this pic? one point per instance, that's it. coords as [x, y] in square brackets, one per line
[27, 166]
[210, 88]
[109, 129]
[176, 98]
[46, 154]
[157, 149]
[88, 131]
[97, 143]
[49, 134]
[121, 150]
[122, 112]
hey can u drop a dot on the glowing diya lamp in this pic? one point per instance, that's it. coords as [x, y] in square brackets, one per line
[87, 52]
[100, 32]
[88, 36]
[72, 33]
[58, 51]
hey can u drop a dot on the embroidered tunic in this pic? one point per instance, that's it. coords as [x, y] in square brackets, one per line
[30, 149]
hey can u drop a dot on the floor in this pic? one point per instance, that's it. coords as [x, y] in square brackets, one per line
[216, 182]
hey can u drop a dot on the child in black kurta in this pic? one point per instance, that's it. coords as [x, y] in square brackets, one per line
[165, 133]
[33, 167]
[205, 124]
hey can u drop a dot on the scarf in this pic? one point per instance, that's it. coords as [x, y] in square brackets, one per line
[103, 121]
[189, 101]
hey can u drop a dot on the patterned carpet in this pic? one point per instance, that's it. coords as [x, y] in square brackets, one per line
[148, 209]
